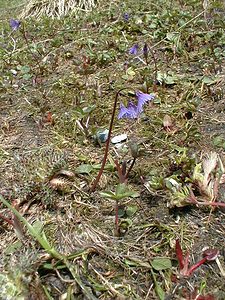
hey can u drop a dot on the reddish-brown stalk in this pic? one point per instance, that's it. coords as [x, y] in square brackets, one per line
[93, 187]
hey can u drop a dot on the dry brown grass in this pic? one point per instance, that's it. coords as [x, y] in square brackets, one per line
[56, 8]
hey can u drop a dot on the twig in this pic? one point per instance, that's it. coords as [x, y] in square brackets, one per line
[106, 282]
[220, 267]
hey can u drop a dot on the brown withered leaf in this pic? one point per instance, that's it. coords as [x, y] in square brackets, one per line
[59, 184]
[169, 125]
[167, 122]
[47, 120]
[65, 173]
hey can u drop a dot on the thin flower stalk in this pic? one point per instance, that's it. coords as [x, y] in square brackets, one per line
[93, 187]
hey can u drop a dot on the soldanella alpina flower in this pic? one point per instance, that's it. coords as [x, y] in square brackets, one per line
[145, 50]
[126, 17]
[143, 98]
[14, 24]
[134, 49]
[132, 111]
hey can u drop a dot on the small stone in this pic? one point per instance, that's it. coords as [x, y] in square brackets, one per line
[102, 136]
[119, 138]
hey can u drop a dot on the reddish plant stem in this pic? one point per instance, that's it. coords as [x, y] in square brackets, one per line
[195, 266]
[193, 200]
[120, 172]
[184, 261]
[28, 47]
[179, 254]
[93, 187]
[221, 204]
[155, 69]
[124, 167]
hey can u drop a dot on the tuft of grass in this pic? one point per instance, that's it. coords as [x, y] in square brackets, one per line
[56, 8]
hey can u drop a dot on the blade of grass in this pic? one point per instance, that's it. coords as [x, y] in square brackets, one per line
[159, 291]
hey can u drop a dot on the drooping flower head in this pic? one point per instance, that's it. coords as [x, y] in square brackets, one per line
[14, 24]
[133, 111]
[143, 98]
[126, 17]
[134, 49]
[130, 112]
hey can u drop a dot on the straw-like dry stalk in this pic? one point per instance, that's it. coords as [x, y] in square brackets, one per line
[56, 8]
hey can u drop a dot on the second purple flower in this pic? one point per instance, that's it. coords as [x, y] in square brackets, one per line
[14, 24]
[132, 111]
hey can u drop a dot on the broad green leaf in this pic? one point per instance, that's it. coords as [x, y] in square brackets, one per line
[89, 109]
[209, 80]
[121, 212]
[131, 210]
[159, 291]
[219, 141]
[108, 167]
[131, 72]
[121, 189]
[38, 226]
[170, 80]
[197, 173]
[125, 224]
[27, 76]
[134, 262]
[109, 195]
[48, 266]
[24, 69]
[84, 169]
[172, 36]
[161, 263]
[127, 194]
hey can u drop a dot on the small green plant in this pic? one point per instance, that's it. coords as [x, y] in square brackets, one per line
[196, 183]
[121, 193]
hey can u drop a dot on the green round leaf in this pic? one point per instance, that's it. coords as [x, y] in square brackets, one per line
[161, 263]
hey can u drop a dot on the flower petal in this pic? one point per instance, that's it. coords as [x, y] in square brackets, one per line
[126, 17]
[143, 98]
[134, 50]
[14, 24]
[133, 112]
[130, 112]
[123, 111]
